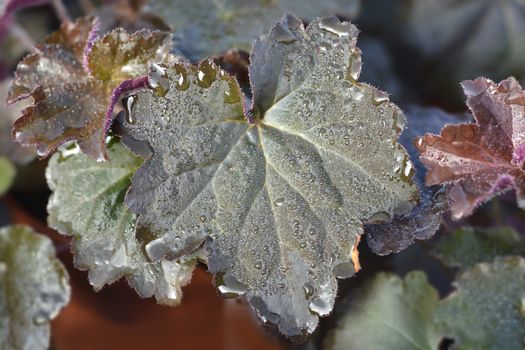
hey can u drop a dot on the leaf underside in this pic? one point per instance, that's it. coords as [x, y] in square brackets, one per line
[88, 204]
[484, 159]
[424, 220]
[34, 287]
[280, 202]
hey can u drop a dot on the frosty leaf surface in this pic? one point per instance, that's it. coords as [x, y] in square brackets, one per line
[466, 247]
[7, 174]
[34, 287]
[470, 37]
[204, 28]
[71, 78]
[280, 192]
[8, 114]
[425, 218]
[88, 204]
[480, 160]
[486, 310]
[389, 313]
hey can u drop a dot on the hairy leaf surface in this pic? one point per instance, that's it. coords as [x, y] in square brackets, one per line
[88, 204]
[389, 313]
[34, 287]
[73, 79]
[280, 200]
[204, 28]
[486, 310]
[466, 247]
[483, 159]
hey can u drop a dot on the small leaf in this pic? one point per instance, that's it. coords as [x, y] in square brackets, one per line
[72, 77]
[486, 310]
[279, 193]
[88, 204]
[7, 175]
[205, 28]
[389, 313]
[484, 159]
[466, 246]
[424, 219]
[34, 287]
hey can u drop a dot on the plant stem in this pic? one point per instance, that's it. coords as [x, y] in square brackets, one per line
[61, 11]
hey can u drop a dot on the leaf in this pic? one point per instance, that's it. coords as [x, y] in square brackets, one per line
[88, 204]
[469, 38]
[389, 313]
[467, 246]
[483, 159]
[486, 310]
[8, 114]
[424, 219]
[34, 287]
[279, 194]
[73, 79]
[7, 175]
[204, 28]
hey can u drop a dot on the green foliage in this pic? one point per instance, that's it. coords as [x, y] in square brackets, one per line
[88, 204]
[468, 246]
[389, 313]
[34, 287]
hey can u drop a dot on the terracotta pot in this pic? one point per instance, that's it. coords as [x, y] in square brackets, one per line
[116, 318]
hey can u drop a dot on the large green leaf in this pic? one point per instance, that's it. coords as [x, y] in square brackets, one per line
[466, 246]
[204, 28]
[34, 287]
[487, 309]
[280, 200]
[389, 313]
[88, 204]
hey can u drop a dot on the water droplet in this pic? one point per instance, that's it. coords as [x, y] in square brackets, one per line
[308, 290]
[207, 74]
[129, 106]
[332, 25]
[379, 97]
[158, 79]
[230, 287]
[379, 217]
[344, 270]
[320, 306]
[284, 35]
[278, 202]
